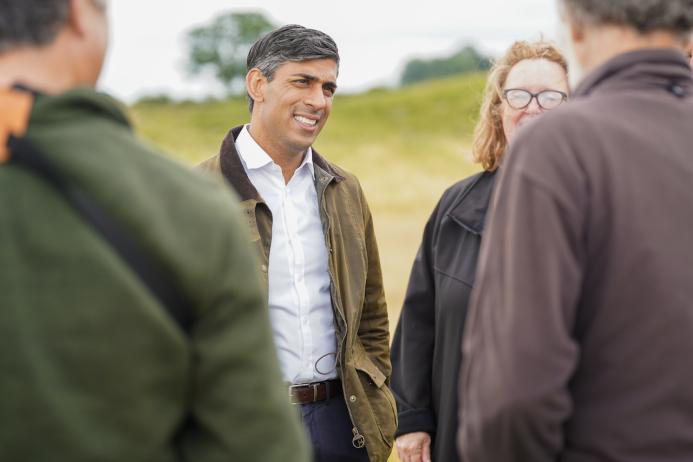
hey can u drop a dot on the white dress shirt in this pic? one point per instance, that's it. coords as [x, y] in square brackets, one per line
[300, 304]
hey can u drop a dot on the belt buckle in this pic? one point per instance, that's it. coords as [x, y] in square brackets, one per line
[313, 385]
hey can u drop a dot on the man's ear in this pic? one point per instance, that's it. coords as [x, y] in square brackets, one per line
[576, 29]
[77, 17]
[255, 84]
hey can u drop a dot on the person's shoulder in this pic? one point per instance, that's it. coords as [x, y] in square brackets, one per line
[462, 187]
[88, 133]
[334, 169]
[556, 122]
[557, 138]
[211, 164]
[227, 149]
[346, 180]
[202, 192]
[569, 121]
[464, 184]
[79, 104]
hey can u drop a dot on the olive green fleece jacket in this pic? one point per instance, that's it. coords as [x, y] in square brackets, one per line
[92, 367]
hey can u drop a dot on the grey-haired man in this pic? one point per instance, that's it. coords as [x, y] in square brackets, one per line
[132, 319]
[314, 234]
[579, 338]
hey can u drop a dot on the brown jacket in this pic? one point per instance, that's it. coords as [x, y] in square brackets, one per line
[358, 298]
[579, 343]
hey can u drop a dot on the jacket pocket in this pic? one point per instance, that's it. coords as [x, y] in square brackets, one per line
[380, 398]
[364, 364]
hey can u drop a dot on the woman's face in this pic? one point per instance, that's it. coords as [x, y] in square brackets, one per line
[534, 76]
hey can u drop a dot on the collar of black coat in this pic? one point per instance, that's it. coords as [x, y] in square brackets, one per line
[664, 68]
[232, 167]
[469, 209]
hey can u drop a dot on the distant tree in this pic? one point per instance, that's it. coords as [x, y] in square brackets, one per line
[154, 99]
[222, 45]
[468, 59]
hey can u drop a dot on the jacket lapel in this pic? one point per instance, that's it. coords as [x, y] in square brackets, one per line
[232, 168]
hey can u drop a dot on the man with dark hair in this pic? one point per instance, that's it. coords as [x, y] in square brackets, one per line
[132, 320]
[579, 337]
[314, 234]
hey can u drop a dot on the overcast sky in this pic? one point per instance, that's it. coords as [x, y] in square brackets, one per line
[375, 37]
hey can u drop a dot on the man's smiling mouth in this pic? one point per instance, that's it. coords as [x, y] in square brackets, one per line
[306, 121]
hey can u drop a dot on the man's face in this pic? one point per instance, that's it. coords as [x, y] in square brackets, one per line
[296, 104]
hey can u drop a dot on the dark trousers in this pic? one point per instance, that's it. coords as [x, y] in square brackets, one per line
[329, 427]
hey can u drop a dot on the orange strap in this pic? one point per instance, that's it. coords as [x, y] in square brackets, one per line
[15, 109]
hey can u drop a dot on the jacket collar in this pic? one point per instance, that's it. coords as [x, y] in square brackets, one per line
[665, 68]
[469, 210]
[232, 167]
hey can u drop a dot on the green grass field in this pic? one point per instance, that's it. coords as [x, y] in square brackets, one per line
[406, 146]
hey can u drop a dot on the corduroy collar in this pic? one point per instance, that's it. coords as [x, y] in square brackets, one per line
[232, 167]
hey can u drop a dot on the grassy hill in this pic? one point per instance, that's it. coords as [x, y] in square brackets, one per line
[406, 146]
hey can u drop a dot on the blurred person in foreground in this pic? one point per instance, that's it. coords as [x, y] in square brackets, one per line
[313, 232]
[529, 79]
[578, 343]
[95, 362]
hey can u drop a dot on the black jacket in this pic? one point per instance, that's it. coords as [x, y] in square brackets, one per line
[426, 349]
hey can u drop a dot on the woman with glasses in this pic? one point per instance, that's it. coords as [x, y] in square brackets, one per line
[529, 79]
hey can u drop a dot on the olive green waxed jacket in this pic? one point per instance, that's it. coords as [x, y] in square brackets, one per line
[358, 298]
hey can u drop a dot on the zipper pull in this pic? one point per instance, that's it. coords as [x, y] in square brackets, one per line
[359, 441]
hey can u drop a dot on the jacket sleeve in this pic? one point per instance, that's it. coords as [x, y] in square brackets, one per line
[412, 346]
[519, 349]
[373, 329]
[239, 406]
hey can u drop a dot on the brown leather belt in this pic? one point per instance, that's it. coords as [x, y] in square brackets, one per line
[306, 393]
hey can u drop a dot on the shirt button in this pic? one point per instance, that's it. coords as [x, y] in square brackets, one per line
[352, 398]
[264, 268]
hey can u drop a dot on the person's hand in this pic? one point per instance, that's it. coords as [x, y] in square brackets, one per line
[414, 447]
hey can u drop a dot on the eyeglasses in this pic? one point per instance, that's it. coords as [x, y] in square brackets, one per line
[547, 99]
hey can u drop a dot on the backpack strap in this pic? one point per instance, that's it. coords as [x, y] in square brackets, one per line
[15, 108]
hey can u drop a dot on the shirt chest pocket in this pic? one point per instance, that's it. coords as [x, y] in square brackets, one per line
[456, 254]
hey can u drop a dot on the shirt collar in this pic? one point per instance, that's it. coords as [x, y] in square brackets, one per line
[308, 160]
[255, 158]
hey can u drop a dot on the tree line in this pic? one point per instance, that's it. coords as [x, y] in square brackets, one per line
[220, 48]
